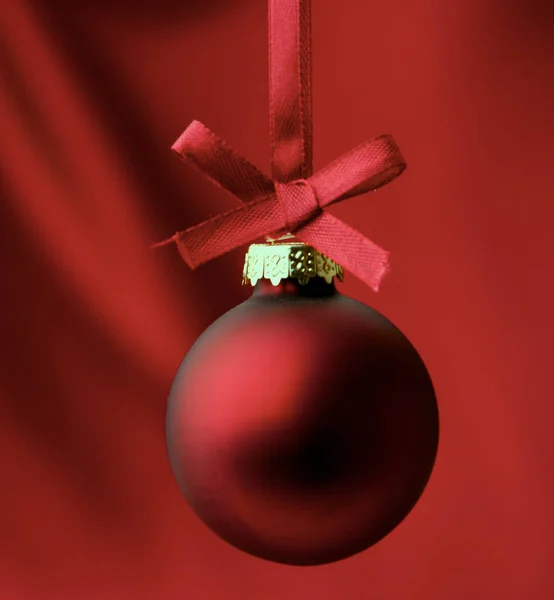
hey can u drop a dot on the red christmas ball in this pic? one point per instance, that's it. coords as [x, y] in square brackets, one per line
[302, 426]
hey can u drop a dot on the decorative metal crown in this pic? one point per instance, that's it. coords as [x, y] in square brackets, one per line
[279, 259]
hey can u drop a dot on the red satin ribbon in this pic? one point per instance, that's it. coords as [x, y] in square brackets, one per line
[293, 199]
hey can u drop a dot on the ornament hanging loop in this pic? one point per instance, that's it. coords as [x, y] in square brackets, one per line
[290, 89]
[293, 198]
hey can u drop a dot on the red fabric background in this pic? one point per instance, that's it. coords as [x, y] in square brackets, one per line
[93, 325]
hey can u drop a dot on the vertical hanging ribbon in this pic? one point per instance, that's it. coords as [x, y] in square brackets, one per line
[293, 199]
[290, 90]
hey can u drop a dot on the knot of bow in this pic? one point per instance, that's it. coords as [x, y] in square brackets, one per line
[298, 202]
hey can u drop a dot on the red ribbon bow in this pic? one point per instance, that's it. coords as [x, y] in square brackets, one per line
[294, 199]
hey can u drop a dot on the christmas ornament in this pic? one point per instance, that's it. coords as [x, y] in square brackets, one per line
[302, 426]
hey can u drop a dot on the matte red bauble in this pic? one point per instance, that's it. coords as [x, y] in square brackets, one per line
[302, 426]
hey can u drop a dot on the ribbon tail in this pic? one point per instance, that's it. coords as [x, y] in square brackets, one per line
[163, 243]
[218, 162]
[228, 231]
[347, 247]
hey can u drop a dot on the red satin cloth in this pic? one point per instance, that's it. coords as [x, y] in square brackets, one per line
[294, 200]
[94, 324]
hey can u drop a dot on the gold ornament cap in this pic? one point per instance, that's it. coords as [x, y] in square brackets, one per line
[287, 258]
